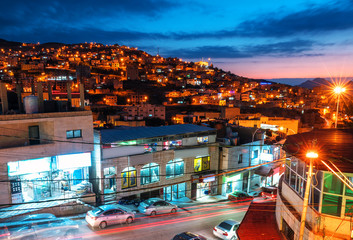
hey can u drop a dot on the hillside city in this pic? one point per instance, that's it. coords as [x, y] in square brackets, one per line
[89, 125]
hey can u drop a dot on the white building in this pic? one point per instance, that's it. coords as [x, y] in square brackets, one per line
[166, 161]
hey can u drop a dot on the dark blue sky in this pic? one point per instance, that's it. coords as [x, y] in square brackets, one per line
[253, 38]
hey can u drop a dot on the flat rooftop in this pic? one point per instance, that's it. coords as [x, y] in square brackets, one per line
[334, 145]
[133, 133]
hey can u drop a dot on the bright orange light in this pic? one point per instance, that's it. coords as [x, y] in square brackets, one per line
[312, 155]
[339, 90]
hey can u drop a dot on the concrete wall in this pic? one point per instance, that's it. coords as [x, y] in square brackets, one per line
[52, 126]
[323, 226]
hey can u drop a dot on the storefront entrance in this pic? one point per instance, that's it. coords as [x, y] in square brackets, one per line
[173, 192]
[55, 177]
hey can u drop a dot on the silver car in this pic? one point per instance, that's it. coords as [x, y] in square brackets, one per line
[227, 229]
[153, 206]
[109, 215]
[58, 228]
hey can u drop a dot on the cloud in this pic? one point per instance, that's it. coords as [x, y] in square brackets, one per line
[279, 49]
[67, 13]
[315, 19]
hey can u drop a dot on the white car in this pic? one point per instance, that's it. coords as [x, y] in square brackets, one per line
[226, 230]
[153, 206]
[49, 229]
[109, 215]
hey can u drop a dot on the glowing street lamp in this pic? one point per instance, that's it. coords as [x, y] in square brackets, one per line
[338, 90]
[282, 130]
[311, 155]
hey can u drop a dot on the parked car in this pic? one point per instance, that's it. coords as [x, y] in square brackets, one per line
[255, 193]
[58, 228]
[269, 192]
[153, 206]
[227, 229]
[109, 215]
[188, 236]
[239, 196]
[4, 233]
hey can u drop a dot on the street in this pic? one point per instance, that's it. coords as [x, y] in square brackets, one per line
[198, 219]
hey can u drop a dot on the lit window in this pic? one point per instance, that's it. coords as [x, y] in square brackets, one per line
[74, 133]
[149, 173]
[175, 168]
[201, 164]
[202, 139]
[128, 177]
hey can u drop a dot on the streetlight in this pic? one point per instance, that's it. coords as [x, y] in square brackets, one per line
[311, 155]
[338, 90]
[282, 129]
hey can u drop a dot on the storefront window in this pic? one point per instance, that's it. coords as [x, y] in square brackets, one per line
[149, 173]
[175, 168]
[202, 164]
[60, 176]
[128, 177]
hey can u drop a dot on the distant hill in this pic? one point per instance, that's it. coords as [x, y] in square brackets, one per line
[8, 44]
[310, 84]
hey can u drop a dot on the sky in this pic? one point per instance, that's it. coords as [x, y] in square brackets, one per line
[254, 38]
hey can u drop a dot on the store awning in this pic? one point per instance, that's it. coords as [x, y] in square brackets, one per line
[264, 171]
[267, 170]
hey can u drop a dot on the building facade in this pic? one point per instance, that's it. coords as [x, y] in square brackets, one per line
[330, 203]
[45, 156]
[170, 162]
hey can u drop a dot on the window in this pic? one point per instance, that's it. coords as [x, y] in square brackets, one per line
[149, 173]
[240, 158]
[201, 164]
[331, 205]
[175, 168]
[128, 177]
[202, 139]
[74, 133]
[332, 184]
[255, 154]
[33, 135]
[151, 147]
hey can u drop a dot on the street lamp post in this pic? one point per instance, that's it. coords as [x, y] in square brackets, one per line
[311, 156]
[338, 90]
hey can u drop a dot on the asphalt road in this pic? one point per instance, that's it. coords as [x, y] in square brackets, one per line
[197, 219]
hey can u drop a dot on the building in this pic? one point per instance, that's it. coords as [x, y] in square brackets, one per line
[45, 156]
[330, 207]
[146, 111]
[245, 148]
[168, 162]
[286, 125]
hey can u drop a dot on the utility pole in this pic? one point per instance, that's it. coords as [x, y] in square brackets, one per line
[311, 156]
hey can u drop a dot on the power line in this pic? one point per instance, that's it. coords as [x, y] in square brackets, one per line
[144, 188]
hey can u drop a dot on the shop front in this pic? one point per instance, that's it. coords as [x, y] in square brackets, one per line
[203, 185]
[231, 183]
[54, 177]
[174, 192]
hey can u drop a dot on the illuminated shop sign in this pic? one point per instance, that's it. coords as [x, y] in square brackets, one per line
[74, 160]
[29, 166]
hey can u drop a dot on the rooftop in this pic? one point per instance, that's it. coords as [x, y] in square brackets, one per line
[331, 145]
[133, 133]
